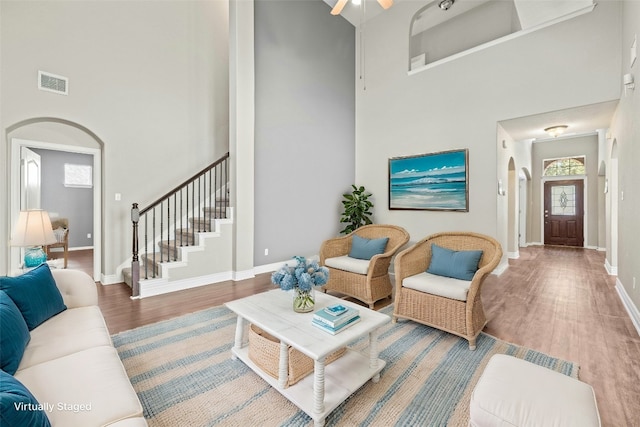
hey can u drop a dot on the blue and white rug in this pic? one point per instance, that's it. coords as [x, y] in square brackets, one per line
[184, 376]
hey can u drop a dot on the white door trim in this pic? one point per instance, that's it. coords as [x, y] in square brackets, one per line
[14, 195]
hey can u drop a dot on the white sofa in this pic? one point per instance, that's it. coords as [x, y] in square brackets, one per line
[71, 366]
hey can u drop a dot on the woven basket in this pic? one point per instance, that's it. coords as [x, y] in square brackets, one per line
[264, 351]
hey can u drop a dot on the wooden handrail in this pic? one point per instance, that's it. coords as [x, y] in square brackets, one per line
[186, 182]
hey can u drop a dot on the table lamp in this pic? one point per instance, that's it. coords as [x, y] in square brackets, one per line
[32, 231]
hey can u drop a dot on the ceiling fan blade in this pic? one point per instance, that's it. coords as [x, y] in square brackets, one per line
[339, 6]
[386, 4]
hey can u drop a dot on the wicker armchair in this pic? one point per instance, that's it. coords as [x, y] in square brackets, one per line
[374, 284]
[463, 318]
[63, 238]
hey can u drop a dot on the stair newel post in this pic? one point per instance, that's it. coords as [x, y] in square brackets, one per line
[135, 263]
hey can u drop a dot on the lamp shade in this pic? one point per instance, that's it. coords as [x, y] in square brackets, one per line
[33, 229]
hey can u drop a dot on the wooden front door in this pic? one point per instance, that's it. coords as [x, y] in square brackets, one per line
[564, 213]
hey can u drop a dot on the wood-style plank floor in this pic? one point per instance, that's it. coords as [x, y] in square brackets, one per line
[559, 301]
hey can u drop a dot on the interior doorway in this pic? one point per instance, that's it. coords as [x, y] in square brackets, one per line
[564, 212]
[20, 189]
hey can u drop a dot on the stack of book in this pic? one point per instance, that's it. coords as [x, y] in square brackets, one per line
[335, 318]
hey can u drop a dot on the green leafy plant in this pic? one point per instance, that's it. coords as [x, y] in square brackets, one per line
[357, 209]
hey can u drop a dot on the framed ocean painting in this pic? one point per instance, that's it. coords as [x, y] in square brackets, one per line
[434, 181]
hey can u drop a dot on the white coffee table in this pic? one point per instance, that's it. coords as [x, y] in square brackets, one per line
[329, 386]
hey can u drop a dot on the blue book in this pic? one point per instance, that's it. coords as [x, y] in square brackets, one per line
[335, 321]
[340, 328]
[336, 310]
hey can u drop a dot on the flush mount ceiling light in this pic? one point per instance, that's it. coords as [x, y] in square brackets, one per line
[557, 130]
[446, 4]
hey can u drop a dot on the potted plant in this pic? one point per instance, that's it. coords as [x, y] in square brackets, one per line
[357, 209]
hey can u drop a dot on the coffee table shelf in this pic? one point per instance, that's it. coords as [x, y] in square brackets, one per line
[323, 391]
[342, 378]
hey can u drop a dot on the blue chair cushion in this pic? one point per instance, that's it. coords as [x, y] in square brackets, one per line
[14, 336]
[362, 248]
[457, 264]
[18, 407]
[36, 295]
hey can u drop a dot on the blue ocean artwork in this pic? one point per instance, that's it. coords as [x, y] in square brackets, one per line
[433, 181]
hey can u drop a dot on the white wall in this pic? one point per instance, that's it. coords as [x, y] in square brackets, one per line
[625, 130]
[458, 103]
[520, 152]
[142, 75]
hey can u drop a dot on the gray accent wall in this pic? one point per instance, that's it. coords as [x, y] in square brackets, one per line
[76, 204]
[304, 126]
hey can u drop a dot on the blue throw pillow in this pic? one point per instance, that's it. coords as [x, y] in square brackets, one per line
[14, 336]
[36, 295]
[363, 248]
[18, 407]
[457, 264]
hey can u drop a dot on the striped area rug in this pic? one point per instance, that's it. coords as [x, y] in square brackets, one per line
[184, 376]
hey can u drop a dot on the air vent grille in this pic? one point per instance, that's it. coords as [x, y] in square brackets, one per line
[52, 83]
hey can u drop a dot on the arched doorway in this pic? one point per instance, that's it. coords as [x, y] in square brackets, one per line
[59, 135]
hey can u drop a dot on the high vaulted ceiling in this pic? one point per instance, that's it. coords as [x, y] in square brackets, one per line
[530, 12]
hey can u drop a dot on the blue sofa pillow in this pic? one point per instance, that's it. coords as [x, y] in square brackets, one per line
[457, 264]
[14, 336]
[18, 407]
[363, 248]
[36, 295]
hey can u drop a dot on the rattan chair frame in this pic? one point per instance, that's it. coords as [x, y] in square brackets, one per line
[463, 318]
[64, 244]
[376, 284]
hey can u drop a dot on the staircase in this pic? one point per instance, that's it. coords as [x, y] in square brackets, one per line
[183, 239]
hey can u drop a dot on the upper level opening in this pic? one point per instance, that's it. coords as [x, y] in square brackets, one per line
[446, 29]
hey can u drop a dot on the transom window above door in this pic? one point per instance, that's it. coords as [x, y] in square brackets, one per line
[564, 167]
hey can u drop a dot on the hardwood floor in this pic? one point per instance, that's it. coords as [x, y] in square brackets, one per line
[562, 302]
[556, 300]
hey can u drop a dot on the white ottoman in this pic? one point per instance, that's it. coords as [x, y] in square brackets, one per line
[514, 392]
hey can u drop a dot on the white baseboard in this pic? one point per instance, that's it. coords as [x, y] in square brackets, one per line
[634, 314]
[243, 275]
[611, 270]
[501, 268]
[268, 268]
[152, 287]
[111, 279]
[513, 255]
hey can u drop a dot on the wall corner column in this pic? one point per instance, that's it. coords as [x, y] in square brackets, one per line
[241, 132]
